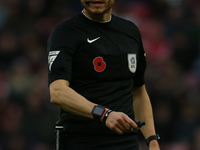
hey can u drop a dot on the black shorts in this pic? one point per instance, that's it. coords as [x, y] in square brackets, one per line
[103, 142]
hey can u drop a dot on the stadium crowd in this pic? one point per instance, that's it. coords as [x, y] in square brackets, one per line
[171, 36]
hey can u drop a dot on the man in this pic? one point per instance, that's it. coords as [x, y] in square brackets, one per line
[96, 76]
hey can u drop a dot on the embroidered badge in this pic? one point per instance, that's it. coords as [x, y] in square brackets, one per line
[132, 62]
[52, 56]
[99, 64]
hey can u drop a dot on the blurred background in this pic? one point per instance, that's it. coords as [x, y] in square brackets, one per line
[170, 31]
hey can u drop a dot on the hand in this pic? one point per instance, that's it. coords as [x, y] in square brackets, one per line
[120, 122]
[153, 145]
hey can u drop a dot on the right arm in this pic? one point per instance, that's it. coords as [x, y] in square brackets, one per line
[69, 100]
[62, 41]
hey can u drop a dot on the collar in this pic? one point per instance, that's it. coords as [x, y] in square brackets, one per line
[96, 21]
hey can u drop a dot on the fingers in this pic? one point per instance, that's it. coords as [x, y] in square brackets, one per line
[131, 122]
[120, 126]
[124, 127]
[119, 129]
[120, 123]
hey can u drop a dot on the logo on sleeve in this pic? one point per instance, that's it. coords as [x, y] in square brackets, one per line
[132, 62]
[52, 56]
[99, 64]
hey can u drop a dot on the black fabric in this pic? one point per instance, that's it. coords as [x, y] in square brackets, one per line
[87, 142]
[104, 71]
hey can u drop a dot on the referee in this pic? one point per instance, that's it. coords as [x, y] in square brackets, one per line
[96, 76]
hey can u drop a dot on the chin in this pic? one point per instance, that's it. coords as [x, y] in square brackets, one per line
[97, 11]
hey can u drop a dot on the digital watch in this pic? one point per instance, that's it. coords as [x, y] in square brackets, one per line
[98, 112]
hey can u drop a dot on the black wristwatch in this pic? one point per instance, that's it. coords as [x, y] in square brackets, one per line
[153, 137]
[98, 112]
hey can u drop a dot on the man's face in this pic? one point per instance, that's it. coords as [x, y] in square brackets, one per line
[98, 7]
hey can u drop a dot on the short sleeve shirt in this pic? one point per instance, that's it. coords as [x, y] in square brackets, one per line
[102, 61]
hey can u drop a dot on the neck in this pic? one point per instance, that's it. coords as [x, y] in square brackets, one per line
[98, 17]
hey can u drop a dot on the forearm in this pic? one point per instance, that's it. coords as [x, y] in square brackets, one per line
[69, 100]
[143, 111]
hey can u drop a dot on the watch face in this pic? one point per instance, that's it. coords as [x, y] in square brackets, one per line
[98, 111]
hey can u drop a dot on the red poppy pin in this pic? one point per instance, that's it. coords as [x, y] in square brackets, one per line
[99, 64]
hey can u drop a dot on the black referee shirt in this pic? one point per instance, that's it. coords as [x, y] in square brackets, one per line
[102, 62]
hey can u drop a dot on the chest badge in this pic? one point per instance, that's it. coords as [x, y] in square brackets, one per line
[99, 64]
[132, 62]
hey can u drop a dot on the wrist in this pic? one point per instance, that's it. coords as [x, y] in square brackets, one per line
[106, 116]
[153, 144]
[153, 140]
[97, 112]
[101, 119]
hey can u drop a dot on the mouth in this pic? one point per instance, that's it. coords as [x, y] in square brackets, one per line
[95, 2]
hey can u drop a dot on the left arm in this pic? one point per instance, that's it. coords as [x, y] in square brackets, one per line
[143, 112]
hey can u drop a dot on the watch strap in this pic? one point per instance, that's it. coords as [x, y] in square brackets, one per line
[153, 137]
[106, 116]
